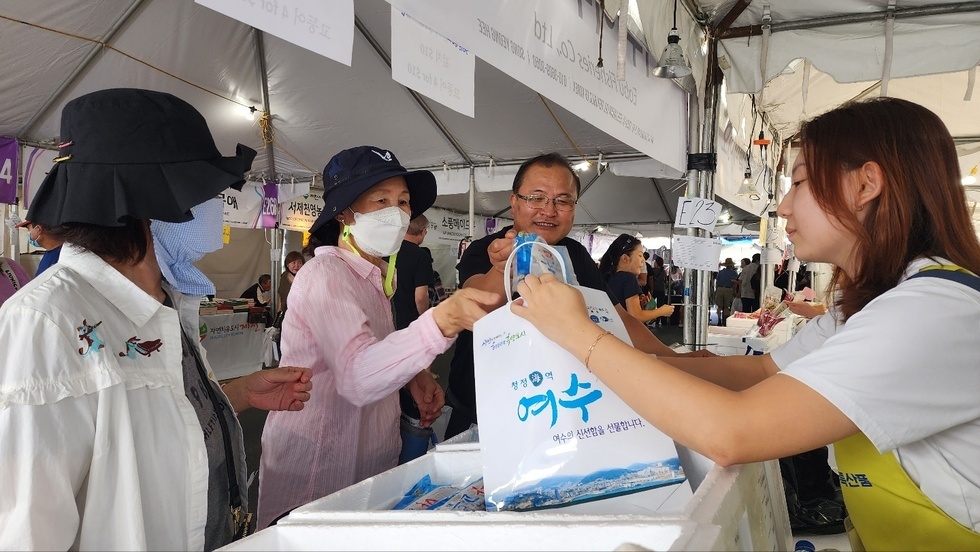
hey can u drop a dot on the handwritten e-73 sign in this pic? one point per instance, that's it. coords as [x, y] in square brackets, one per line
[696, 212]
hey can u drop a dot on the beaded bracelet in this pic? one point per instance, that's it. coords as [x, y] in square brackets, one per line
[588, 355]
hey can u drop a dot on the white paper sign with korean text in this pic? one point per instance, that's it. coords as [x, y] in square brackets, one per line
[326, 28]
[695, 252]
[431, 64]
[697, 212]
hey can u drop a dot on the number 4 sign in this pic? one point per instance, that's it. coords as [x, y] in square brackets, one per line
[696, 212]
[8, 170]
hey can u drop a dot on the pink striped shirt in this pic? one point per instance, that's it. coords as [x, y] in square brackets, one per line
[339, 324]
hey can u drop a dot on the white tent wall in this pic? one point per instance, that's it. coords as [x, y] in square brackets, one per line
[238, 265]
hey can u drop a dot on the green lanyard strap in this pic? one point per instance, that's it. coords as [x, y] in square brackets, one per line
[389, 279]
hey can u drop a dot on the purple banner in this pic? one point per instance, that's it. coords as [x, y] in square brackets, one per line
[270, 206]
[8, 169]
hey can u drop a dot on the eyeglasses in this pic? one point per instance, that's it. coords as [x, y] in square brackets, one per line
[540, 202]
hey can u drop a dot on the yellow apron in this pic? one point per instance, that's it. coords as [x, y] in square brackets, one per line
[887, 509]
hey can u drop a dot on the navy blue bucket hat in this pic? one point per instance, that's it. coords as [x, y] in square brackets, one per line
[353, 171]
[130, 153]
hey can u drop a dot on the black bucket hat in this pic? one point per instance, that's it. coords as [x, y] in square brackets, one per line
[134, 153]
[351, 172]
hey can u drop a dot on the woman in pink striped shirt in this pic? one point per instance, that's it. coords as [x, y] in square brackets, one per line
[340, 324]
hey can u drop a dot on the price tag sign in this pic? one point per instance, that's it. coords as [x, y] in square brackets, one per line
[694, 252]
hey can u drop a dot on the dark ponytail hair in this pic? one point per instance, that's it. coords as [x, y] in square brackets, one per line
[624, 244]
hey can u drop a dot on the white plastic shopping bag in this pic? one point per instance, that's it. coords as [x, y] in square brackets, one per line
[550, 431]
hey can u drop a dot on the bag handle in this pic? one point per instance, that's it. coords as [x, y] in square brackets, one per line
[510, 259]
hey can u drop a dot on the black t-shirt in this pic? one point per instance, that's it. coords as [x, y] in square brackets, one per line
[476, 260]
[657, 278]
[623, 285]
[413, 268]
[253, 293]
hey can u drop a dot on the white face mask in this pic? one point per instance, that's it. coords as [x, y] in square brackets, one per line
[381, 232]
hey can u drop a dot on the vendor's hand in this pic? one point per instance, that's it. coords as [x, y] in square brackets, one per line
[461, 309]
[556, 309]
[806, 310]
[501, 248]
[698, 353]
[428, 396]
[283, 388]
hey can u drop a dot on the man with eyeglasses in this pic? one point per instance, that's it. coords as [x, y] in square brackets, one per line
[543, 202]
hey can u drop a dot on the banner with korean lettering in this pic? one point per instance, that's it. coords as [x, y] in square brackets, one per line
[8, 169]
[301, 212]
[551, 432]
[550, 47]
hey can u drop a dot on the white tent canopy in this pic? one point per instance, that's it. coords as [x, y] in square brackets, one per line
[318, 106]
[821, 54]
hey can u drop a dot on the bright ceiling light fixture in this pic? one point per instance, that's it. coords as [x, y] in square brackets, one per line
[672, 63]
[582, 166]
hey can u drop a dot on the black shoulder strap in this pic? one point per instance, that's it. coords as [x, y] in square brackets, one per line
[968, 280]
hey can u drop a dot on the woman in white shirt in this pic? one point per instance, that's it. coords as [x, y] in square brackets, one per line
[890, 375]
[114, 434]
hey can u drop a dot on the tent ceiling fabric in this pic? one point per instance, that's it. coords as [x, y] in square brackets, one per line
[931, 58]
[318, 106]
[931, 62]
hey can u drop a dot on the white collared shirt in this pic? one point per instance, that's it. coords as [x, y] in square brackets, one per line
[99, 447]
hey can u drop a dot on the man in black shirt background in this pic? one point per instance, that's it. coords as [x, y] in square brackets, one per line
[413, 268]
[542, 202]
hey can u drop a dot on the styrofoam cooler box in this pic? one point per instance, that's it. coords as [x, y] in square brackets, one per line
[467, 440]
[668, 518]
[783, 330]
[747, 503]
[725, 341]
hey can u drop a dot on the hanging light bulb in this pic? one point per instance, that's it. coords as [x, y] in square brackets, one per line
[747, 187]
[672, 63]
[971, 179]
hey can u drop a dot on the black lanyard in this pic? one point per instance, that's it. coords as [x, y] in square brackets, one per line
[241, 520]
